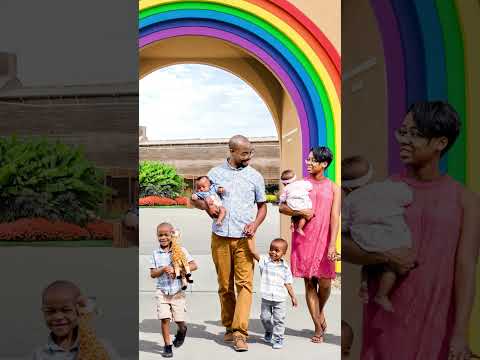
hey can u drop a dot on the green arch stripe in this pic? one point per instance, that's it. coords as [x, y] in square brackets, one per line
[454, 51]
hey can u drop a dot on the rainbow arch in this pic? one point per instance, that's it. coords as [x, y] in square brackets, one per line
[436, 41]
[277, 34]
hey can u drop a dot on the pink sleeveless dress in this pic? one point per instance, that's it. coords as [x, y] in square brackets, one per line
[419, 329]
[309, 252]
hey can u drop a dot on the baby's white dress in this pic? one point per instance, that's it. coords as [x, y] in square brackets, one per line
[296, 195]
[374, 216]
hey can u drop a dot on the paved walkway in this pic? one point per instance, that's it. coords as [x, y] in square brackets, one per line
[205, 330]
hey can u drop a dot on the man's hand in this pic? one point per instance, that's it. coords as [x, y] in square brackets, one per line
[294, 301]
[221, 190]
[402, 260]
[250, 229]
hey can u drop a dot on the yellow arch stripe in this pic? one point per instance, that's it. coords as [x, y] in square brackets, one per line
[469, 13]
[299, 41]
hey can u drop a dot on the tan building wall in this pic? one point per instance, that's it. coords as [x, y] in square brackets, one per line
[363, 116]
[194, 158]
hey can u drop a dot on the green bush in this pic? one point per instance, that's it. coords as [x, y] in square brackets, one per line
[272, 198]
[40, 178]
[271, 188]
[157, 179]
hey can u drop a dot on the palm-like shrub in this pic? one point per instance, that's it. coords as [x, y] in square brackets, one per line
[157, 179]
[40, 178]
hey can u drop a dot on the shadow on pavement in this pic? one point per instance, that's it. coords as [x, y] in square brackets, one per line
[255, 326]
[199, 331]
[150, 346]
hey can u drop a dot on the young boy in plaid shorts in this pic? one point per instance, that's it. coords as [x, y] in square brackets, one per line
[276, 285]
[171, 303]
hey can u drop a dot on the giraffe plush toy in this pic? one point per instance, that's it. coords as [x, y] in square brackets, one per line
[180, 263]
[90, 348]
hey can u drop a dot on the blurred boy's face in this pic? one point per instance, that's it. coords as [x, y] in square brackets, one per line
[60, 312]
[277, 250]
[164, 235]
[203, 185]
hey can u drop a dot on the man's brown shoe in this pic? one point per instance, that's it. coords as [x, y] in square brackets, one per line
[239, 343]
[228, 337]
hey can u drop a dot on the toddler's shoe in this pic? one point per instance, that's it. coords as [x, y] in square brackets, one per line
[268, 337]
[277, 344]
[167, 351]
[180, 338]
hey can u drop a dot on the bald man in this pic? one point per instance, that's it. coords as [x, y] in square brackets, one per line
[245, 203]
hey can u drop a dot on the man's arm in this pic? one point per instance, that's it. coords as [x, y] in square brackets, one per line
[199, 204]
[251, 228]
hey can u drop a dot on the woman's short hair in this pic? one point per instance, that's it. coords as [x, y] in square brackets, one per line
[436, 119]
[322, 154]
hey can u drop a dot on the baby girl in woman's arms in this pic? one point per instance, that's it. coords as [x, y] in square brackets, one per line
[296, 195]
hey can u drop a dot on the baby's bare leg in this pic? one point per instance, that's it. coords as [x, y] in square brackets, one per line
[300, 224]
[363, 292]
[213, 210]
[387, 281]
[221, 215]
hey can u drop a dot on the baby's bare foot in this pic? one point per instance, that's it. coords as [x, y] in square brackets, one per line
[218, 222]
[384, 302]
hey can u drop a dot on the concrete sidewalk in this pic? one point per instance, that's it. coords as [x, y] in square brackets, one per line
[205, 332]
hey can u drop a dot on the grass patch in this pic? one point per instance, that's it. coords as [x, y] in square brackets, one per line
[59, 243]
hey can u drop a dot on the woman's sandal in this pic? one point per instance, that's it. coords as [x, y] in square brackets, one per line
[317, 339]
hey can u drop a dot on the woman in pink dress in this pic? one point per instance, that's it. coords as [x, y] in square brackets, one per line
[313, 255]
[433, 301]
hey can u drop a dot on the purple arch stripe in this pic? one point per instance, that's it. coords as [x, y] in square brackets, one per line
[394, 62]
[258, 52]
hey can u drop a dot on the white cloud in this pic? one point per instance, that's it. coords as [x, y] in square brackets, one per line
[199, 101]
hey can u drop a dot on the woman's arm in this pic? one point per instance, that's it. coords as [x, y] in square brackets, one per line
[285, 210]
[334, 221]
[466, 264]
[402, 260]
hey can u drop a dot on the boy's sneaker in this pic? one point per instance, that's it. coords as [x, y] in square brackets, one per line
[268, 337]
[167, 351]
[180, 338]
[277, 344]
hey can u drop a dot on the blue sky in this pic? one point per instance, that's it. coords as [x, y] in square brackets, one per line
[199, 101]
